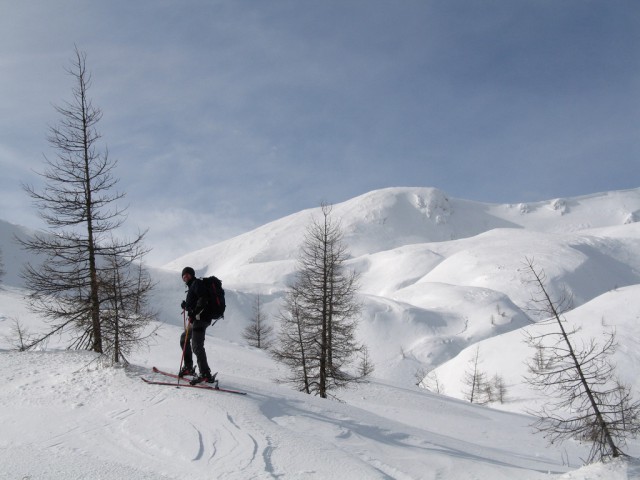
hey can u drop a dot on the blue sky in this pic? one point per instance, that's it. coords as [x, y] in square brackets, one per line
[225, 115]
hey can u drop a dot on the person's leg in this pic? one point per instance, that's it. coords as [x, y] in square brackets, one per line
[185, 343]
[197, 344]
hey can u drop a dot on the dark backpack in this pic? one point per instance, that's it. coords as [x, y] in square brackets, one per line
[216, 304]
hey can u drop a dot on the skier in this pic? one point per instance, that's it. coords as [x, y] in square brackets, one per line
[192, 339]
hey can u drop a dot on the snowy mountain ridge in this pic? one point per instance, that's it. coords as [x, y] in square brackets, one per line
[394, 217]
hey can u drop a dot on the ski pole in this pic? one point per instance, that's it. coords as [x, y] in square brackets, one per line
[186, 339]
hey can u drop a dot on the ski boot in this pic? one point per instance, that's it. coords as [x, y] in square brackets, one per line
[187, 372]
[206, 377]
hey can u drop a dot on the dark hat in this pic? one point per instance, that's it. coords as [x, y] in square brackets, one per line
[188, 270]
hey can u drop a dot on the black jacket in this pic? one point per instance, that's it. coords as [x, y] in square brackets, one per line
[197, 301]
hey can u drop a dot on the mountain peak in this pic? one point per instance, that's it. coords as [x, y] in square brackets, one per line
[392, 217]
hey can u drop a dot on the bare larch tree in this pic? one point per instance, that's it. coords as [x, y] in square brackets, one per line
[320, 313]
[475, 380]
[586, 401]
[258, 332]
[79, 205]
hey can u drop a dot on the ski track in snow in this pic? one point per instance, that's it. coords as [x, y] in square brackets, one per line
[156, 427]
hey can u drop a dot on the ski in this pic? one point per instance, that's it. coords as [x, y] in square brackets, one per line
[203, 386]
[199, 385]
[173, 375]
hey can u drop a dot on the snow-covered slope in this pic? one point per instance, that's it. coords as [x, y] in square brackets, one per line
[439, 276]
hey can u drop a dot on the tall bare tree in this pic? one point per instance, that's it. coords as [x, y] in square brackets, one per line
[258, 332]
[79, 205]
[322, 311]
[586, 402]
